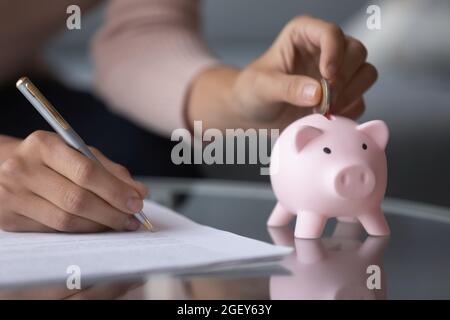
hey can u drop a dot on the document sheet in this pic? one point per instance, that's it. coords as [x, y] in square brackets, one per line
[178, 245]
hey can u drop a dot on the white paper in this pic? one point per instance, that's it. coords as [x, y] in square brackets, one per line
[179, 244]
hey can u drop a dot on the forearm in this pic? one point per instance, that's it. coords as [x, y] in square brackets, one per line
[7, 146]
[145, 57]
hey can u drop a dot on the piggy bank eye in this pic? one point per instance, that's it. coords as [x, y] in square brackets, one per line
[327, 150]
[364, 146]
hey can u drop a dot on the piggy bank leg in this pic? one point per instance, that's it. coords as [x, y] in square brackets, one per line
[279, 217]
[309, 225]
[375, 223]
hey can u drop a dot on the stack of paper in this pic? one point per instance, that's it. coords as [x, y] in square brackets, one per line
[178, 245]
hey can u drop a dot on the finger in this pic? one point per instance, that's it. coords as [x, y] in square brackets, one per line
[46, 213]
[10, 220]
[355, 109]
[76, 201]
[13, 222]
[363, 79]
[91, 176]
[329, 38]
[355, 57]
[293, 89]
[121, 172]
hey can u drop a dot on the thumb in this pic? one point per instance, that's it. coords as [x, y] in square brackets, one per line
[297, 90]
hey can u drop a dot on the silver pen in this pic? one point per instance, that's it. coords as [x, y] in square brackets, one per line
[57, 122]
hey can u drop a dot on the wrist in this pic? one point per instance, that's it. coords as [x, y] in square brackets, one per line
[214, 100]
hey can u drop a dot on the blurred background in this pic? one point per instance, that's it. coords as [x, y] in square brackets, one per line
[411, 52]
[412, 94]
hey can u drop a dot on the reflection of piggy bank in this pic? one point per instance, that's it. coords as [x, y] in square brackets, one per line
[331, 268]
[322, 168]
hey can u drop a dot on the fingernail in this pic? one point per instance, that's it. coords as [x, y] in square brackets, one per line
[331, 70]
[309, 92]
[132, 224]
[134, 204]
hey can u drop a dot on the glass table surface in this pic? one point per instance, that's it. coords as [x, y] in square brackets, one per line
[413, 263]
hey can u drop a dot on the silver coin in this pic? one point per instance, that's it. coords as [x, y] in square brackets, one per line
[324, 106]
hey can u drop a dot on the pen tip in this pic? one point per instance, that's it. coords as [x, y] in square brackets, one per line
[148, 225]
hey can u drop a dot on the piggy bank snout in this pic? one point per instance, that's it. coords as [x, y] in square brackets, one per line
[355, 182]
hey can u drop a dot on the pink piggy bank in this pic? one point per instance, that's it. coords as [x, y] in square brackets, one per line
[322, 168]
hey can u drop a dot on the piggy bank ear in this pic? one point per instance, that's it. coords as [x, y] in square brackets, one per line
[304, 135]
[377, 130]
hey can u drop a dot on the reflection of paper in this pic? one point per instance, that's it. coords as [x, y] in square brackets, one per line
[178, 245]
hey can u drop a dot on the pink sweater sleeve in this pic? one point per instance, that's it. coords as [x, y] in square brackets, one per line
[145, 57]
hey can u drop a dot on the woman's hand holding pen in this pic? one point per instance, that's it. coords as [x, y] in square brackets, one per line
[46, 185]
